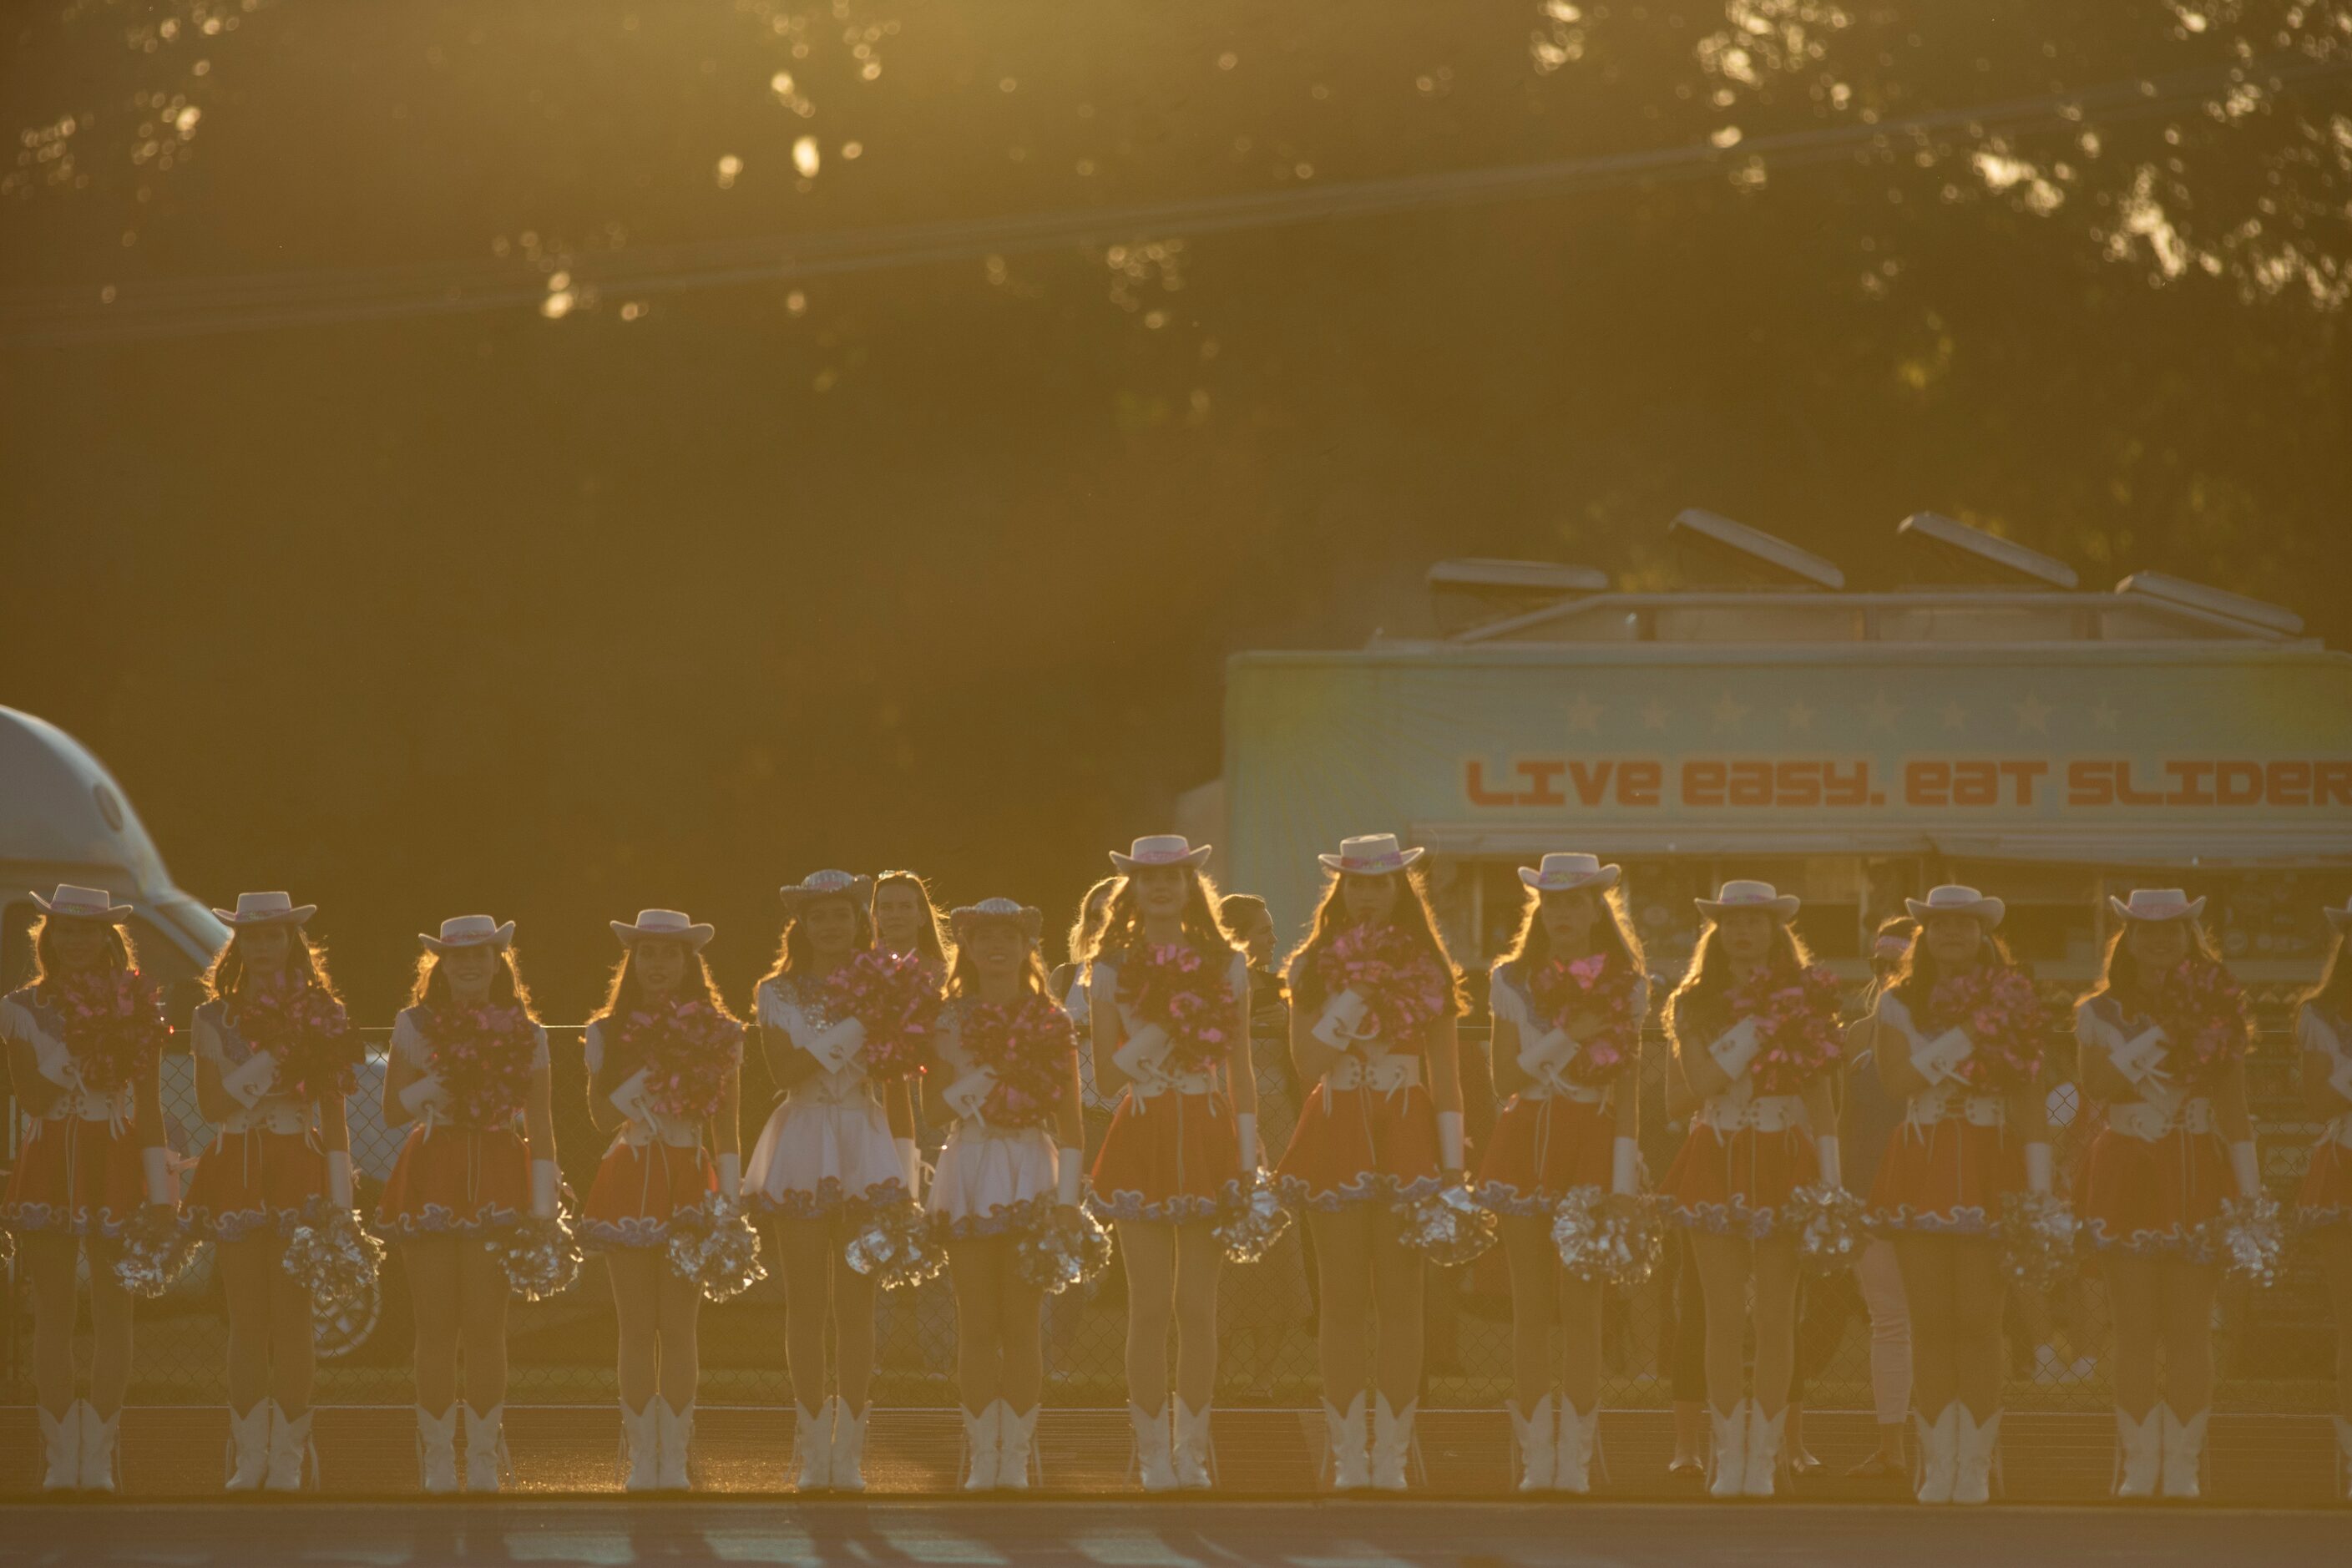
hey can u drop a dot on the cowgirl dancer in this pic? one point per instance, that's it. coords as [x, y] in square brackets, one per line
[275, 1056]
[1960, 1039]
[905, 920]
[1008, 1079]
[1182, 1139]
[665, 1071]
[1568, 1001]
[838, 1146]
[1751, 1146]
[83, 1038]
[468, 1065]
[1371, 1139]
[2323, 1206]
[2178, 1140]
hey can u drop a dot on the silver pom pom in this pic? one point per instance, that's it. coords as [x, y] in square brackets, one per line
[7, 1246]
[1249, 1233]
[2037, 1238]
[2247, 1235]
[542, 1256]
[1447, 1227]
[1060, 1247]
[156, 1247]
[1603, 1242]
[896, 1247]
[716, 1248]
[1828, 1223]
[334, 1260]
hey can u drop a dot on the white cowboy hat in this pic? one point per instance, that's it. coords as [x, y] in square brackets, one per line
[1160, 849]
[1373, 855]
[83, 904]
[1032, 922]
[824, 884]
[469, 930]
[2341, 919]
[1563, 873]
[1954, 899]
[2157, 904]
[265, 910]
[668, 923]
[1738, 895]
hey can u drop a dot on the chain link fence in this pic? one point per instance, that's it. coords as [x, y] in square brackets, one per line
[2274, 1346]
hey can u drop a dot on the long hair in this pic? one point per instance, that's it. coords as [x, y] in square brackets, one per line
[1411, 914]
[1122, 927]
[1699, 998]
[793, 953]
[1917, 974]
[304, 958]
[930, 939]
[1094, 910]
[2119, 975]
[2333, 995]
[1614, 937]
[963, 979]
[120, 952]
[624, 993]
[505, 984]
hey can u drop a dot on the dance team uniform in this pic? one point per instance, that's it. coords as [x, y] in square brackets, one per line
[266, 1166]
[2325, 1200]
[1953, 1158]
[1174, 1150]
[826, 1151]
[656, 1167]
[1747, 1152]
[1556, 1132]
[81, 1169]
[468, 1179]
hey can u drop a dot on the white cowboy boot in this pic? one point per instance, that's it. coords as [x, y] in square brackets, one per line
[2139, 1452]
[1349, 1472]
[1730, 1469]
[641, 1447]
[2184, 1449]
[1016, 1437]
[1191, 1453]
[61, 1441]
[675, 1430]
[486, 1448]
[1392, 1443]
[1535, 1436]
[849, 1446]
[983, 1442]
[813, 1435]
[1940, 1453]
[2344, 1454]
[100, 1462]
[1579, 1435]
[436, 1449]
[1972, 1472]
[291, 1453]
[1154, 1468]
[1763, 1457]
[248, 1447]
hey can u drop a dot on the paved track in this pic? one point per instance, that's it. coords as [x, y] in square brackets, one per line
[1147, 1535]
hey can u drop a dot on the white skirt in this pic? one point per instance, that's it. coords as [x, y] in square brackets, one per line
[816, 1157]
[990, 1181]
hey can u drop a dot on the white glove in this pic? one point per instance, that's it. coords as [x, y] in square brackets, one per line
[1342, 1015]
[1935, 1059]
[1449, 1140]
[425, 1094]
[1825, 1153]
[1735, 1048]
[2137, 1060]
[1068, 1175]
[544, 1179]
[1245, 1126]
[56, 1063]
[2038, 1169]
[968, 1094]
[339, 1180]
[157, 1162]
[2247, 1166]
[630, 1100]
[1556, 1049]
[1140, 1058]
[910, 1166]
[251, 1079]
[730, 1176]
[834, 1048]
[1624, 1167]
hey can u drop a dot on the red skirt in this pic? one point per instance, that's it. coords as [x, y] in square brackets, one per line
[1947, 1178]
[75, 1177]
[2151, 1197]
[254, 1180]
[1174, 1159]
[639, 1190]
[2326, 1197]
[1738, 1186]
[1541, 1148]
[456, 1180]
[1359, 1145]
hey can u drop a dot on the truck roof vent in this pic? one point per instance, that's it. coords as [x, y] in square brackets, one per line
[1474, 592]
[1753, 558]
[1955, 553]
[2212, 601]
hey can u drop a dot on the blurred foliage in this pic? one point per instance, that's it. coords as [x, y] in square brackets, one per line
[637, 589]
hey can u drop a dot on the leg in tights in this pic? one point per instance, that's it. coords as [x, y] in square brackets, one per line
[482, 1294]
[1150, 1252]
[1343, 1267]
[245, 1267]
[1535, 1280]
[2187, 1290]
[853, 1324]
[1198, 1260]
[2133, 1300]
[1723, 1265]
[50, 1261]
[1021, 1320]
[109, 1326]
[293, 1338]
[635, 1295]
[678, 1303]
[1932, 1297]
[806, 1248]
[1978, 1290]
[974, 1269]
[1776, 1322]
[432, 1268]
[1689, 1353]
[1398, 1296]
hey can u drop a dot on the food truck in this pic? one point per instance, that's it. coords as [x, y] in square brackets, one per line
[1988, 723]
